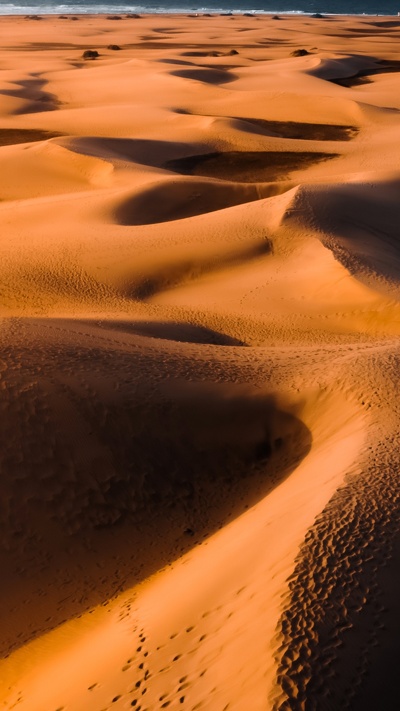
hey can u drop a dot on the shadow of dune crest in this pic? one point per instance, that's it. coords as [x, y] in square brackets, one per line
[205, 75]
[177, 331]
[233, 166]
[247, 166]
[178, 199]
[354, 69]
[297, 130]
[358, 223]
[31, 90]
[13, 136]
[159, 461]
[136, 150]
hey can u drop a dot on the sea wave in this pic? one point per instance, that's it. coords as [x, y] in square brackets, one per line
[340, 7]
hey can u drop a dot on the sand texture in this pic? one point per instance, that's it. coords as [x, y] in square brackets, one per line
[199, 363]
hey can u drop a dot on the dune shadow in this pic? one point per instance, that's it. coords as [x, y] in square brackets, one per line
[234, 166]
[151, 465]
[178, 62]
[360, 228]
[178, 331]
[143, 151]
[247, 166]
[363, 75]
[32, 46]
[176, 200]
[205, 75]
[301, 131]
[12, 136]
[32, 90]
[385, 24]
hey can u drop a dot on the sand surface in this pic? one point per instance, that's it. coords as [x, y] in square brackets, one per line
[199, 363]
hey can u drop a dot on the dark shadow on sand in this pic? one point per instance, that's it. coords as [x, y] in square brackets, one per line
[205, 75]
[177, 331]
[179, 199]
[302, 131]
[184, 453]
[33, 90]
[12, 136]
[247, 167]
[363, 76]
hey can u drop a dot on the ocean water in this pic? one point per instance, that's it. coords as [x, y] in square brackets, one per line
[341, 7]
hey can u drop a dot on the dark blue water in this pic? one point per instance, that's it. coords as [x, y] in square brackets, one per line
[342, 7]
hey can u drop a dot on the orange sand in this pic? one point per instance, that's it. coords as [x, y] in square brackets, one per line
[199, 364]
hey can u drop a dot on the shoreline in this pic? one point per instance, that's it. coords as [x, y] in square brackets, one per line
[208, 14]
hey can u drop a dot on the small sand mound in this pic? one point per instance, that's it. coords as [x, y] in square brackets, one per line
[90, 54]
[299, 53]
[47, 168]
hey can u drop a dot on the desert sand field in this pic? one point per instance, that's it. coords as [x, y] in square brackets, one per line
[199, 363]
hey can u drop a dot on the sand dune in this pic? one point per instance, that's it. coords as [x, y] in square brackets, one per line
[199, 302]
[359, 221]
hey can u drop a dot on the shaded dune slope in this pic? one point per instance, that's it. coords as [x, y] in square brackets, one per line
[178, 199]
[294, 129]
[249, 167]
[87, 491]
[359, 225]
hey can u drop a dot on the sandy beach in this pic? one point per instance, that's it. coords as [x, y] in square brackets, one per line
[199, 363]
